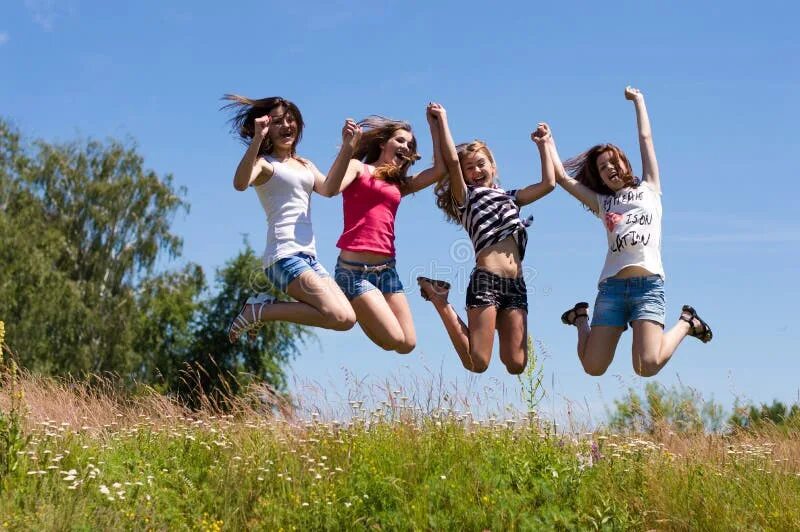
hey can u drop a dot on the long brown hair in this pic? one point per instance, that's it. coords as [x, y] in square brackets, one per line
[246, 110]
[377, 130]
[444, 199]
[583, 168]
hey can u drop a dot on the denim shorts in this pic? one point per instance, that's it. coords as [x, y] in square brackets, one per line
[365, 277]
[489, 289]
[283, 271]
[621, 301]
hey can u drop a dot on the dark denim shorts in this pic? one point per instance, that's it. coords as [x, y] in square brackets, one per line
[489, 289]
[621, 301]
[356, 278]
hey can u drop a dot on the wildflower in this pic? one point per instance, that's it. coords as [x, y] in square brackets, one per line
[443, 477]
[104, 489]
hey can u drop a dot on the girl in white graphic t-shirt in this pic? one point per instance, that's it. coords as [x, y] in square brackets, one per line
[631, 285]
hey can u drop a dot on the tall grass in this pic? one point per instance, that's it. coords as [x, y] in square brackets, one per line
[90, 456]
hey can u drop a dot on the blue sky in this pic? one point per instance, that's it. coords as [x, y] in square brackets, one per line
[721, 83]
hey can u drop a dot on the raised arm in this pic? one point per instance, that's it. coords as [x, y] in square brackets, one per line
[458, 188]
[577, 189]
[431, 175]
[253, 169]
[531, 193]
[344, 167]
[648, 151]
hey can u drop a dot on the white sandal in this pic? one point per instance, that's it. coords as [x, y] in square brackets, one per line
[242, 323]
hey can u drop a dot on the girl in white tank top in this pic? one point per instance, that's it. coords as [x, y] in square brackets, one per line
[284, 182]
[631, 285]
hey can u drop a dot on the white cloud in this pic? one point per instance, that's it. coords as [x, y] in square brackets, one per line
[3, 38]
[46, 12]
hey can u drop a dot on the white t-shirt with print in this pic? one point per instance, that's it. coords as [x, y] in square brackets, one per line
[632, 218]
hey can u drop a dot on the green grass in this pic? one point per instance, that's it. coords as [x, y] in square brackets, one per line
[397, 469]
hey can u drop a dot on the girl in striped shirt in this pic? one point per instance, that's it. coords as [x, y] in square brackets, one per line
[496, 297]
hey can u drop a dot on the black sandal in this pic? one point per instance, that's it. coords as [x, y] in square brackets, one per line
[571, 316]
[704, 334]
[437, 285]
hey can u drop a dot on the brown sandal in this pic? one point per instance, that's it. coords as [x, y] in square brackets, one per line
[436, 283]
[572, 315]
[704, 333]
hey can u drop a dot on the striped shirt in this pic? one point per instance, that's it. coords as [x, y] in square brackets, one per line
[491, 215]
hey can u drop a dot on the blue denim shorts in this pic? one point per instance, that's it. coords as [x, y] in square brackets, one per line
[365, 277]
[283, 271]
[621, 301]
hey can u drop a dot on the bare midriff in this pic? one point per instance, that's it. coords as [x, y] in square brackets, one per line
[367, 257]
[501, 259]
[632, 271]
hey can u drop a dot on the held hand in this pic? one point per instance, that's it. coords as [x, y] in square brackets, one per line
[542, 134]
[351, 134]
[633, 94]
[435, 112]
[261, 127]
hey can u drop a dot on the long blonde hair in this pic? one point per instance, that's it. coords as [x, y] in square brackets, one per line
[444, 199]
[377, 131]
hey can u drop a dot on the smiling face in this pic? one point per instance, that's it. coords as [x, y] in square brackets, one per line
[478, 168]
[283, 129]
[612, 170]
[399, 149]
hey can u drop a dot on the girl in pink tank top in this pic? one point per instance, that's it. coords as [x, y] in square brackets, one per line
[375, 182]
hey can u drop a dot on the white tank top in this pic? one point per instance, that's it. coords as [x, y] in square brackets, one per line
[632, 218]
[286, 199]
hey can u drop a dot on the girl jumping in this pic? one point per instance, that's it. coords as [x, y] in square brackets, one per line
[284, 181]
[631, 286]
[496, 296]
[375, 182]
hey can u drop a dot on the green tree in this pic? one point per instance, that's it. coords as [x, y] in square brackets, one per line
[84, 223]
[82, 227]
[218, 368]
[750, 416]
[679, 408]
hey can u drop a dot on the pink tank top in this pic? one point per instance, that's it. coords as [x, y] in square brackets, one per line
[370, 207]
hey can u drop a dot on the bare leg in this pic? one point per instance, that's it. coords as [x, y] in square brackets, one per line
[378, 321]
[320, 303]
[473, 343]
[652, 347]
[596, 345]
[512, 327]
[399, 305]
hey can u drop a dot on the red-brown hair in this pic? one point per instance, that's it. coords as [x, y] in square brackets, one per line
[583, 168]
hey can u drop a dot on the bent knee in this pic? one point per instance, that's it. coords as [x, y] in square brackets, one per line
[646, 367]
[516, 368]
[477, 363]
[594, 369]
[405, 347]
[340, 319]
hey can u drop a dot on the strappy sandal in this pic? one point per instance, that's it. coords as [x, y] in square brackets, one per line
[704, 333]
[437, 284]
[572, 315]
[249, 324]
